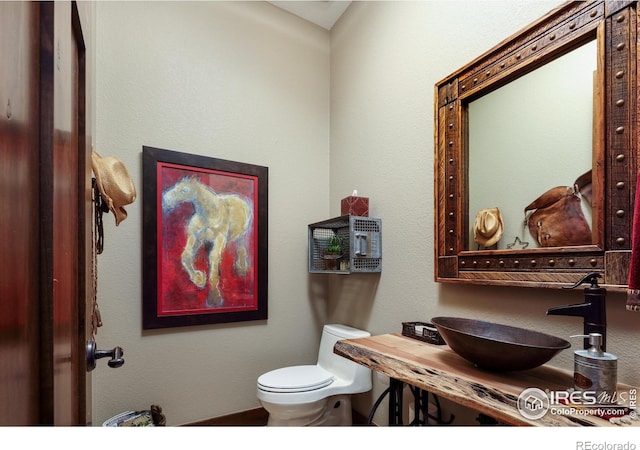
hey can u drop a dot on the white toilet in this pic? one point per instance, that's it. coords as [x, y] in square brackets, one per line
[315, 395]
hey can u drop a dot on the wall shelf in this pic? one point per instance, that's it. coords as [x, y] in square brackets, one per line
[361, 245]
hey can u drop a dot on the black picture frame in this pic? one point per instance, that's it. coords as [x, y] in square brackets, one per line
[204, 240]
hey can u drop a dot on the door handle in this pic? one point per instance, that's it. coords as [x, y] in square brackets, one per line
[93, 355]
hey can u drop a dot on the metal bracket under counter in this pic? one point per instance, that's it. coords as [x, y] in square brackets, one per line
[438, 370]
[422, 415]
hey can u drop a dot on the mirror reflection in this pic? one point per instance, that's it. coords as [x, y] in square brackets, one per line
[526, 138]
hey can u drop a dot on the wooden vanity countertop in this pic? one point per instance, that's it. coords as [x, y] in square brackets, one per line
[438, 370]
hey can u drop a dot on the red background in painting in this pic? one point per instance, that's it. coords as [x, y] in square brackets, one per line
[176, 293]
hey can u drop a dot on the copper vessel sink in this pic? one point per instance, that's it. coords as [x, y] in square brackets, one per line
[498, 347]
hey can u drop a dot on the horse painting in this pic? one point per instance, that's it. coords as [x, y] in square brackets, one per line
[217, 219]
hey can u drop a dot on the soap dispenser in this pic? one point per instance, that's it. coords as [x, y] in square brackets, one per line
[596, 371]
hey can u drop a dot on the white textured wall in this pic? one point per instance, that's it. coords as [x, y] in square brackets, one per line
[233, 80]
[386, 58]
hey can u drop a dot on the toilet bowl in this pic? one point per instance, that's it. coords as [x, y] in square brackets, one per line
[316, 395]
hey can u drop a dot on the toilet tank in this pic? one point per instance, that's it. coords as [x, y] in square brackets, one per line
[338, 365]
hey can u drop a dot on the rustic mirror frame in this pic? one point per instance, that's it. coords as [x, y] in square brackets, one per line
[615, 156]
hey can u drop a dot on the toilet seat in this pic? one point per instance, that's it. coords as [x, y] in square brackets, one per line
[295, 379]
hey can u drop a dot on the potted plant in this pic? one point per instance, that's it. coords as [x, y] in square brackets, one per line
[333, 253]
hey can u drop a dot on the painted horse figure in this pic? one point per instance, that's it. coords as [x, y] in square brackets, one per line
[217, 219]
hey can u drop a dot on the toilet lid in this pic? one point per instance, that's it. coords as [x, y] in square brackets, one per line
[295, 379]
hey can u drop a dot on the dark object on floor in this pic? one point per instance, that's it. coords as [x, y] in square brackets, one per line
[159, 419]
[483, 419]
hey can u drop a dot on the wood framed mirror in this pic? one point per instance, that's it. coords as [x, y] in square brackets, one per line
[597, 142]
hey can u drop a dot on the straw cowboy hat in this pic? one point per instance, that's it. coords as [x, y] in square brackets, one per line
[115, 185]
[488, 227]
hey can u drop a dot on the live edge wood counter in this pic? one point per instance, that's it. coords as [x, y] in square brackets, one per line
[438, 370]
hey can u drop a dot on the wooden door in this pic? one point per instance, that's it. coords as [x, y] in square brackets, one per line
[19, 216]
[69, 231]
[44, 224]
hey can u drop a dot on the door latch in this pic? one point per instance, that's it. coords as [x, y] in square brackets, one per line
[93, 355]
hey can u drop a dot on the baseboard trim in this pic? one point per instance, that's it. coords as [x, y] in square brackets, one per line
[254, 418]
[250, 418]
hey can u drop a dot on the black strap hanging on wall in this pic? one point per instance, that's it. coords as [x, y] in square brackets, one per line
[100, 207]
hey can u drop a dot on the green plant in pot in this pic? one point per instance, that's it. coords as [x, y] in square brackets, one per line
[333, 253]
